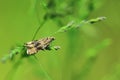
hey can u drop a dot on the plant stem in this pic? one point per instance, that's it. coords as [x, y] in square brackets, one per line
[35, 59]
[39, 27]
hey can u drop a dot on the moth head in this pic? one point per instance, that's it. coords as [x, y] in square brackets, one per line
[29, 44]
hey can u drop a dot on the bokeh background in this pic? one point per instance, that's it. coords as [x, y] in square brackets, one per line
[88, 53]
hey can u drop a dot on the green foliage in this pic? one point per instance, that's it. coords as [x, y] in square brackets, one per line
[92, 53]
[69, 26]
[74, 25]
[61, 12]
[13, 52]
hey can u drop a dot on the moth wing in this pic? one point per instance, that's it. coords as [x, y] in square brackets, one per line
[31, 51]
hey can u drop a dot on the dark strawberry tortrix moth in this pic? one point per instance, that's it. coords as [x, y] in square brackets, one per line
[37, 45]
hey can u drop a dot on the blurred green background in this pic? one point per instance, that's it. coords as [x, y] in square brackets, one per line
[88, 53]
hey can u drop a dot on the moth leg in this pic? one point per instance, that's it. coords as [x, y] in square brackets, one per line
[52, 47]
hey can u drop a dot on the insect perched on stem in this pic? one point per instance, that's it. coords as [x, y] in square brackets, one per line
[34, 46]
[41, 44]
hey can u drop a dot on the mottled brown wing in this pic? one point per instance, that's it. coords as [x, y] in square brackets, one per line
[45, 42]
[34, 46]
[31, 51]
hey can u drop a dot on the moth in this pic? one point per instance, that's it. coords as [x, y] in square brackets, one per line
[37, 45]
